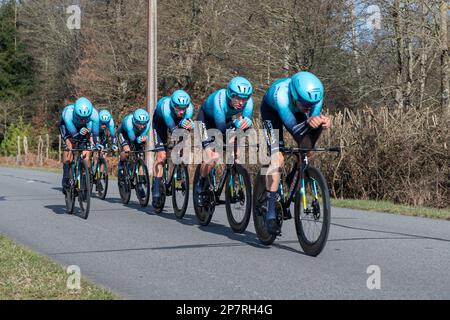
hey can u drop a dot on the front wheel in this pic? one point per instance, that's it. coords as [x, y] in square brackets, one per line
[238, 199]
[313, 212]
[180, 190]
[84, 194]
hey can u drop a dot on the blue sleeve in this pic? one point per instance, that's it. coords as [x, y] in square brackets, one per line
[165, 108]
[95, 123]
[189, 112]
[316, 110]
[248, 110]
[68, 121]
[112, 131]
[219, 114]
[111, 128]
[129, 128]
[146, 130]
[288, 118]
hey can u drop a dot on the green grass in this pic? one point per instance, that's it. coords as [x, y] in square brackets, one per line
[389, 207]
[48, 169]
[27, 275]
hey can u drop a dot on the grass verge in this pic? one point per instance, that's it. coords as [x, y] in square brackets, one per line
[27, 275]
[389, 207]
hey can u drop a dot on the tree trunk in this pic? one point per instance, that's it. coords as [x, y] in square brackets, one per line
[445, 66]
[355, 50]
[423, 55]
[400, 49]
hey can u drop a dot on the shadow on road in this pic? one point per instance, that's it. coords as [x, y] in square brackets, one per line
[57, 208]
[61, 209]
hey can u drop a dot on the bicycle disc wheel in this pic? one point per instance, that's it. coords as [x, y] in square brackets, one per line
[162, 198]
[238, 199]
[102, 179]
[124, 183]
[312, 217]
[203, 214]
[84, 194]
[70, 197]
[180, 190]
[143, 186]
[259, 211]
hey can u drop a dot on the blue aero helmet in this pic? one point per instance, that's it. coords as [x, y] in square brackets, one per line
[239, 87]
[140, 116]
[180, 99]
[83, 108]
[306, 88]
[104, 116]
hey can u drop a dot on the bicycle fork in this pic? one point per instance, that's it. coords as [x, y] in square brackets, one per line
[303, 192]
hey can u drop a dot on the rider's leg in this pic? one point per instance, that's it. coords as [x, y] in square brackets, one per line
[273, 127]
[158, 170]
[160, 136]
[123, 156]
[67, 160]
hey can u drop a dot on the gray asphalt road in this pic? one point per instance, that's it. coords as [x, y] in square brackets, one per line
[141, 255]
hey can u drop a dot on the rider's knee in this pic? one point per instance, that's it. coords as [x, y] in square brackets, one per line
[161, 157]
[277, 160]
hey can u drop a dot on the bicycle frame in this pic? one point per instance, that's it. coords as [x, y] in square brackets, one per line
[295, 186]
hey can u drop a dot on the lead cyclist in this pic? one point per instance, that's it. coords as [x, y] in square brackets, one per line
[295, 104]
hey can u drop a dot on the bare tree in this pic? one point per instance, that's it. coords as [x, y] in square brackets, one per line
[445, 63]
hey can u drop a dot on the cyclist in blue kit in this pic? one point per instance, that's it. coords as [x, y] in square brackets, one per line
[295, 104]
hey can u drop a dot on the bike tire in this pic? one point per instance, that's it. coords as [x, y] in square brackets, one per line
[239, 225]
[203, 214]
[183, 186]
[70, 198]
[84, 192]
[313, 248]
[143, 201]
[259, 197]
[103, 177]
[124, 183]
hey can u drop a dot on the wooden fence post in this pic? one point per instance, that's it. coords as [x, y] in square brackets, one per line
[18, 150]
[47, 138]
[25, 148]
[41, 151]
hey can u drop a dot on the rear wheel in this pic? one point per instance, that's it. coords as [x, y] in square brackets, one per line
[180, 190]
[102, 178]
[84, 193]
[260, 210]
[70, 195]
[203, 213]
[238, 199]
[313, 213]
[142, 183]
[124, 183]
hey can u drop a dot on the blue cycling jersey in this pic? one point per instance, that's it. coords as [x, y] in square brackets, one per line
[109, 127]
[164, 111]
[280, 99]
[132, 132]
[217, 106]
[73, 124]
